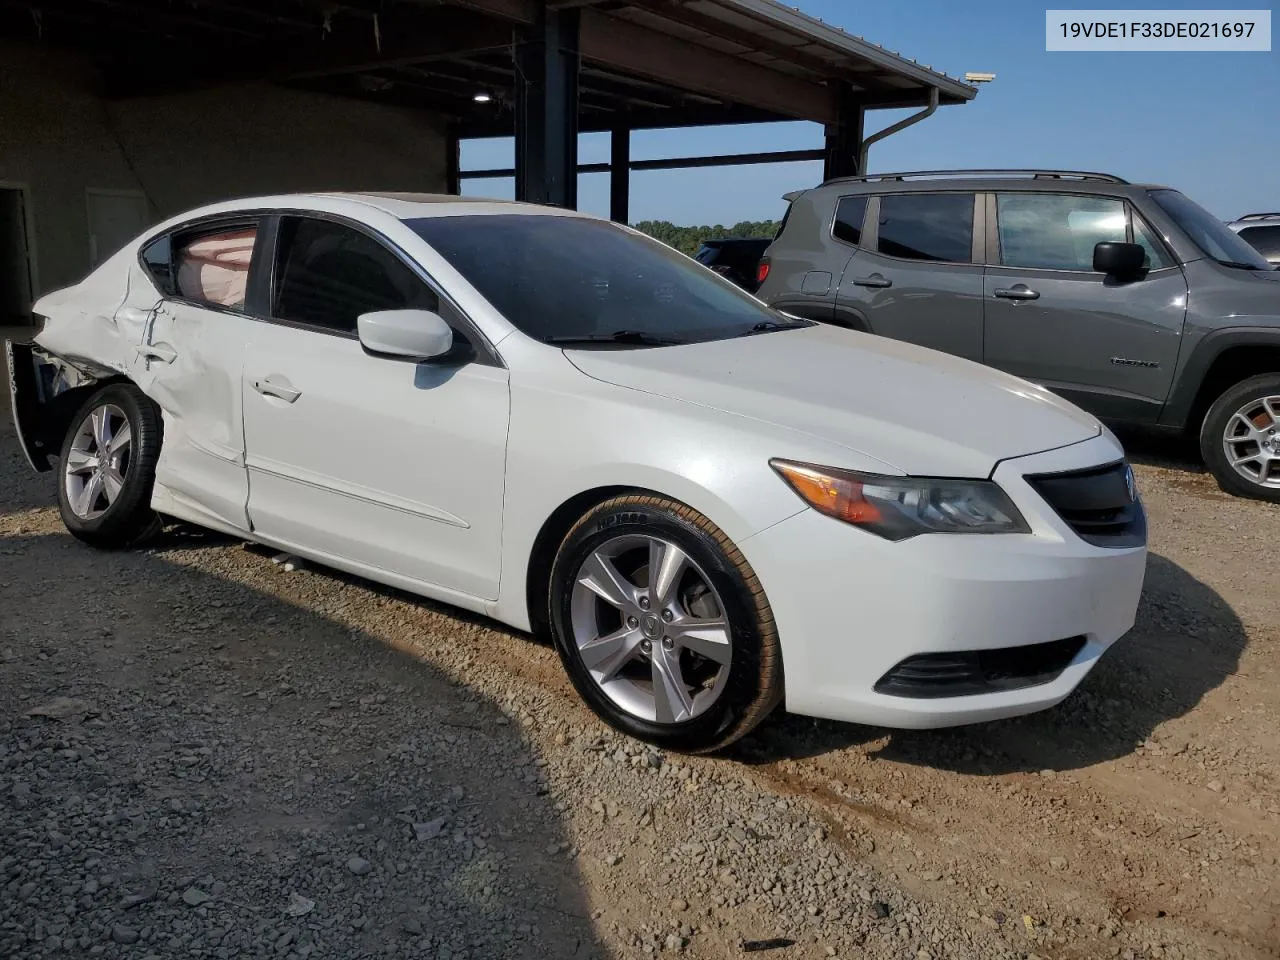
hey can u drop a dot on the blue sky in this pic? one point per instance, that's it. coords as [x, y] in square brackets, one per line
[1203, 122]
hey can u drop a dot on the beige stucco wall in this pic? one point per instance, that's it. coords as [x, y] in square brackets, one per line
[59, 138]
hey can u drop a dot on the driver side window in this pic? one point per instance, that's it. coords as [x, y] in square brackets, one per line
[328, 273]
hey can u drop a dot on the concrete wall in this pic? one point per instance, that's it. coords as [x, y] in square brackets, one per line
[59, 138]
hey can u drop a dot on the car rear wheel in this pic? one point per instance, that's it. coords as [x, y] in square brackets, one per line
[1240, 438]
[662, 626]
[107, 468]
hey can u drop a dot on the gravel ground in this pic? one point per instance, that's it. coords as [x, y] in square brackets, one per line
[203, 755]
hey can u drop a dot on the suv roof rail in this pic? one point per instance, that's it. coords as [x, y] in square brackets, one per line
[1259, 216]
[937, 174]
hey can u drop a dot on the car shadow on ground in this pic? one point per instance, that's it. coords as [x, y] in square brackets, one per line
[24, 489]
[184, 535]
[1187, 640]
[216, 738]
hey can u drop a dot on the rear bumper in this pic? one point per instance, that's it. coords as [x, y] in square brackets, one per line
[850, 606]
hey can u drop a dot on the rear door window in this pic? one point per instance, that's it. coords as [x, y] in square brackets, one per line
[936, 227]
[212, 267]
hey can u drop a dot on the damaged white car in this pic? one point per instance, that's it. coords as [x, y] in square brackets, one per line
[555, 421]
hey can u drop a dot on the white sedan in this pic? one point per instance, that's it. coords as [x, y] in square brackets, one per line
[553, 420]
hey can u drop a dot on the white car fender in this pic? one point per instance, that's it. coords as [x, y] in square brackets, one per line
[639, 441]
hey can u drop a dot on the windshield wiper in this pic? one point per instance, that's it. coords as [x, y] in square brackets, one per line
[768, 326]
[1239, 266]
[618, 336]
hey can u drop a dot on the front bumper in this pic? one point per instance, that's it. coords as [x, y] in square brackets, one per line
[850, 606]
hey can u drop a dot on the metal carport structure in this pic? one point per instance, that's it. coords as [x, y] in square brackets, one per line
[550, 69]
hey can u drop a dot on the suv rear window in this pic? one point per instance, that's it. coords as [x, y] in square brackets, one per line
[1265, 239]
[850, 212]
[927, 226]
[707, 253]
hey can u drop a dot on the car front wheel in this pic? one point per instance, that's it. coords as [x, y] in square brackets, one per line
[107, 468]
[662, 626]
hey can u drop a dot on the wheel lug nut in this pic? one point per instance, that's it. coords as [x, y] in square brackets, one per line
[668, 616]
[632, 622]
[667, 643]
[646, 646]
[644, 603]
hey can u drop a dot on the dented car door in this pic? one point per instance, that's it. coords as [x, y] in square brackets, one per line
[189, 360]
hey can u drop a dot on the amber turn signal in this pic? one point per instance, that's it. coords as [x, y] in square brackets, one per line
[839, 497]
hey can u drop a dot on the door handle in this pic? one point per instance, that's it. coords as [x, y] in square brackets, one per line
[875, 280]
[155, 351]
[272, 388]
[1018, 292]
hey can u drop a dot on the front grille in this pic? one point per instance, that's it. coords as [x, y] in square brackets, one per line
[1099, 504]
[968, 672]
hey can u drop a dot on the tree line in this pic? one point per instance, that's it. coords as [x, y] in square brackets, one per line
[688, 239]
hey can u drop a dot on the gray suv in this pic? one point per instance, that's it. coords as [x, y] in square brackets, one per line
[1128, 299]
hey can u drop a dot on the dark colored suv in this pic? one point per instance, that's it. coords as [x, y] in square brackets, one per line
[735, 258]
[1128, 299]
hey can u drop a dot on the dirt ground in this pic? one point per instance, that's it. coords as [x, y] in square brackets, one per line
[249, 734]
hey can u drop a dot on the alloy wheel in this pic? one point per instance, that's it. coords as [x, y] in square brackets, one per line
[98, 461]
[1251, 441]
[651, 629]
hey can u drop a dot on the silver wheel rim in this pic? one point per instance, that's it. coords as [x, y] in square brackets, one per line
[1251, 441]
[656, 644]
[98, 461]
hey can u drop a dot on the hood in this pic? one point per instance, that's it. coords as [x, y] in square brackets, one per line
[924, 412]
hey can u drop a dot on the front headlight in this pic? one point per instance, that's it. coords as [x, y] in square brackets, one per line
[900, 507]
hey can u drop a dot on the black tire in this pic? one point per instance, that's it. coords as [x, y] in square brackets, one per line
[129, 519]
[1213, 429]
[754, 685]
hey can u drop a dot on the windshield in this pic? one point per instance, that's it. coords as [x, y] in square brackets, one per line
[557, 278]
[1207, 232]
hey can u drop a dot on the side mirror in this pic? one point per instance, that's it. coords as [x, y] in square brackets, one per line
[1119, 259]
[412, 334]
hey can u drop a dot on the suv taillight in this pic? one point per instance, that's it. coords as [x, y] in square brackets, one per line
[762, 270]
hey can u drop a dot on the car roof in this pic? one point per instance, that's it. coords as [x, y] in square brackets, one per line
[1256, 220]
[974, 184]
[402, 206]
[409, 206]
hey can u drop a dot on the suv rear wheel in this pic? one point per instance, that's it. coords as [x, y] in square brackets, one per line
[1240, 438]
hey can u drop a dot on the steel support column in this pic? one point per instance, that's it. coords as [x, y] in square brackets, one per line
[844, 137]
[620, 174]
[452, 161]
[547, 62]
